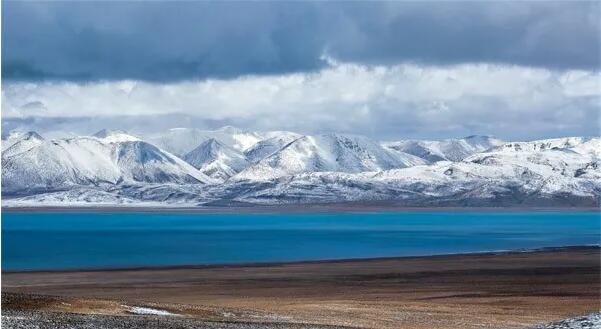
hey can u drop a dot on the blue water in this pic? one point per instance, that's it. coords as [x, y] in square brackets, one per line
[34, 241]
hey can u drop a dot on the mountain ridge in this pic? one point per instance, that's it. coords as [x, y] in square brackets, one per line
[114, 167]
[216, 160]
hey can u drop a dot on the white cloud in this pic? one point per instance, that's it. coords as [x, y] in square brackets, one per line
[401, 100]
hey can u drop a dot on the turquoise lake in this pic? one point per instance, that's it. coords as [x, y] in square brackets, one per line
[54, 241]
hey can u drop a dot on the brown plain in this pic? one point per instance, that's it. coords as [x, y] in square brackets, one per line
[504, 290]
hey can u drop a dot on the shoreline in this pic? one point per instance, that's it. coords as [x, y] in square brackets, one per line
[284, 209]
[592, 247]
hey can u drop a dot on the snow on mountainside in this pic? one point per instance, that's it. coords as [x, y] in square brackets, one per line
[180, 141]
[269, 146]
[64, 163]
[115, 136]
[581, 145]
[328, 152]
[143, 162]
[548, 176]
[20, 142]
[11, 137]
[449, 149]
[114, 167]
[216, 160]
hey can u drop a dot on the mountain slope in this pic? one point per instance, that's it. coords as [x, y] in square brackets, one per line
[329, 152]
[180, 141]
[216, 160]
[60, 164]
[581, 145]
[543, 177]
[114, 136]
[268, 146]
[118, 168]
[448, 149]
[19, 143]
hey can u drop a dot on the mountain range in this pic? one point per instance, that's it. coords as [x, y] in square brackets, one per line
[231, 166]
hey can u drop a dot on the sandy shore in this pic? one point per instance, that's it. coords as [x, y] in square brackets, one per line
[503, 290]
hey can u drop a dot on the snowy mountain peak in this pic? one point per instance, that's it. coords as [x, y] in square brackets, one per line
[144, 162]
[578, 144]
[31, 135]
[207, 151]
[103, 133]
[482, 141]
[181, 141]
[231, 130]
[15, 136]
[269, 146]
[213, 143]
[447, 149]
[115, 136]
[327, 152]
[89, 161]
[216, 159]
[20, 142]
[284, 167]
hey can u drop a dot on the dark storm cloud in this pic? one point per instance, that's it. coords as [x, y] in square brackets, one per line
[166, 41]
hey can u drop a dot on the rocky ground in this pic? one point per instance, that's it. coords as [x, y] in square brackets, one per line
[55, 320]
[591, 321]
[477, 291]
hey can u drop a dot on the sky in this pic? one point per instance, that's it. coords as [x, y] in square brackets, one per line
[388, 70]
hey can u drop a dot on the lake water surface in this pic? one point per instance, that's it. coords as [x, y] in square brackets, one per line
[35, 241]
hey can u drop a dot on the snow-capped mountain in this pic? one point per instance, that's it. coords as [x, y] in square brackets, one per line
[180, 141]
[268, 146]
[581, 145]
[20, 142]
[449, 149]
[113, 167]
[497, 177]
[328, 152]
[9, 138]
[216, 160]
[92, 161]
[115, 136]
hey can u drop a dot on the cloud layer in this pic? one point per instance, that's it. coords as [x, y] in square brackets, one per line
[174, 41]
[402, 69]
[385, 102]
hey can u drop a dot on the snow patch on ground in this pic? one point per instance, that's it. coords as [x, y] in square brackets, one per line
[146, 311]
[591, 321]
